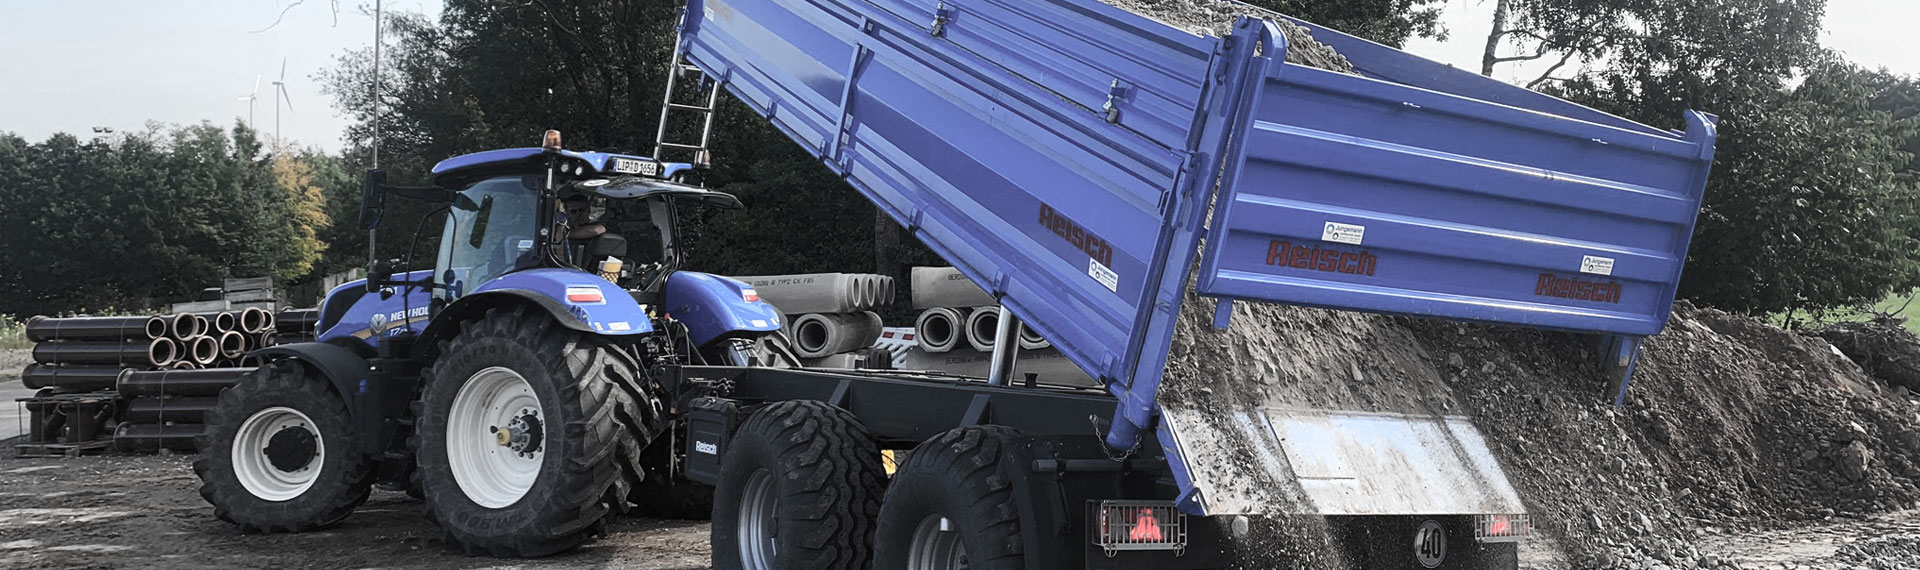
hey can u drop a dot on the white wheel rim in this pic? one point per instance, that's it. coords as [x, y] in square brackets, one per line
[759, 530]
[255, 464]
[496, 469]
[936, 545]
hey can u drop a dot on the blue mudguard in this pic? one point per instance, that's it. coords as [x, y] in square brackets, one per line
[593, 303]
[715, 307]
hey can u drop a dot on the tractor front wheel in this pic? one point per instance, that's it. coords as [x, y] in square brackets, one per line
[278, 454]
[525, 432]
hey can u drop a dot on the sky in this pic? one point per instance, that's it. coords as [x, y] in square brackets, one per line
[73, 65]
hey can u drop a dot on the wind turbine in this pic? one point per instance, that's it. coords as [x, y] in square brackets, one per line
[251, 98]
[280, 85]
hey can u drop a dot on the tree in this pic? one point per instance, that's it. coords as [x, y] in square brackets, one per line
[1389, 22]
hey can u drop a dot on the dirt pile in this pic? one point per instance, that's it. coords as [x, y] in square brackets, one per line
[1884, 347]
[1216, 18]
[1730, 421]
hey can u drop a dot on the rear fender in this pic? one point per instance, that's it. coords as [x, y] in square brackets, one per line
[715, 307]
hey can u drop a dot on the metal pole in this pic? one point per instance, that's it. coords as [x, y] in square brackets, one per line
[1006, 348]
[376, 83]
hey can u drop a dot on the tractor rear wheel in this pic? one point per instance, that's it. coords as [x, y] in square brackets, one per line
[526, 434]
[278, 454]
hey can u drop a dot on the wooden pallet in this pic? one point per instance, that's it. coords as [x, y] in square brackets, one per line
[25, 450]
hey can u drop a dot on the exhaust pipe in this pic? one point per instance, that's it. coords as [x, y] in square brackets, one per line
[982, 324]
[156, 352]
[43, 329]
[73, 378]
[205, 382]
[937, 330]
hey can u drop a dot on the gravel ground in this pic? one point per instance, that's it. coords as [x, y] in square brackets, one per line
[145, 512]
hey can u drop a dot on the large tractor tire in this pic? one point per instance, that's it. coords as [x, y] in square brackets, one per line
[951, 506]
[527, 433]
[278, 454]
[799, 488]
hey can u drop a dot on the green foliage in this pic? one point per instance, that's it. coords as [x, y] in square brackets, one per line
[13, 333]
[140, 219]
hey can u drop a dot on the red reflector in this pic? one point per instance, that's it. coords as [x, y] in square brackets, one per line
[584, 295]
[1145, 528]
[1500, 526]
[750, 295]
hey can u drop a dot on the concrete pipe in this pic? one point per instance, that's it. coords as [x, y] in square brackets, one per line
[820, 292]
[202, 326]
[232, 344]
[203, 350]
[182, 326]
[164, 410]
[946, 287]
[981, 327]
[151, 437]
[821, 334]
[938, 330]
[253, 320]
[72, 378]
[43, 329]
[156, 352]
[204, 382]
[183, 365]
[1030, 340]
[221, 322]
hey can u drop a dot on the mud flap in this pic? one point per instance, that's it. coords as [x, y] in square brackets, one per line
[1272, 461]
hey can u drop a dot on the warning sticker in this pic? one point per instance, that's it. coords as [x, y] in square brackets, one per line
[1596, 265]
[1337, 232]
[1104, 275]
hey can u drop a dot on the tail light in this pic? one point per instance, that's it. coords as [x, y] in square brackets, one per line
[1140, 525]
[751, 296]
[1502, 528]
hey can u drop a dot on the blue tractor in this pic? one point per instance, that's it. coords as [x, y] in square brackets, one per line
[515, 385]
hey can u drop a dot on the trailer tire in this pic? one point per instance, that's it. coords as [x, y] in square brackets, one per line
[800, 486]
[572, 426]
[278, 454]
[954, 481]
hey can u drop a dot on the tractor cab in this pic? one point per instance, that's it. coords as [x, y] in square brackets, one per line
[606, 214]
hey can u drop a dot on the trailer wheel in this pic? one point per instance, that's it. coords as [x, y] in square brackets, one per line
[799, 488]
[278, 454]
[951, 506]
[525, 431]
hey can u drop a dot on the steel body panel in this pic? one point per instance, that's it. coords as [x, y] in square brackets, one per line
[1019, 181]
[715, 307]
[1355, 193]
[617, 314]
[1064, 154]
[370, 317]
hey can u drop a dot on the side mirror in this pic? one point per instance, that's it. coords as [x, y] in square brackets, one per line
[378, 274]
[373, 199]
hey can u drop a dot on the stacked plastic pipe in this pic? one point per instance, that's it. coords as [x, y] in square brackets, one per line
[160, 374]
[829, 315]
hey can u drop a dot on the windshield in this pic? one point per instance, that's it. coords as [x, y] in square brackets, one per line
[489, 232]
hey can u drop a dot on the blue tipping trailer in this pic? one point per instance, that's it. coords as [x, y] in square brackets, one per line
[1085, 164]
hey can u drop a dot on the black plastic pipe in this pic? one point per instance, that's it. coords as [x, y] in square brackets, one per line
[43, 329]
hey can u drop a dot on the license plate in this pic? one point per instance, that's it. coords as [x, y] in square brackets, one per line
[630, 166]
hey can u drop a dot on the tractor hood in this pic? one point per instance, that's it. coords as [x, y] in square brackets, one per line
[464, 170]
